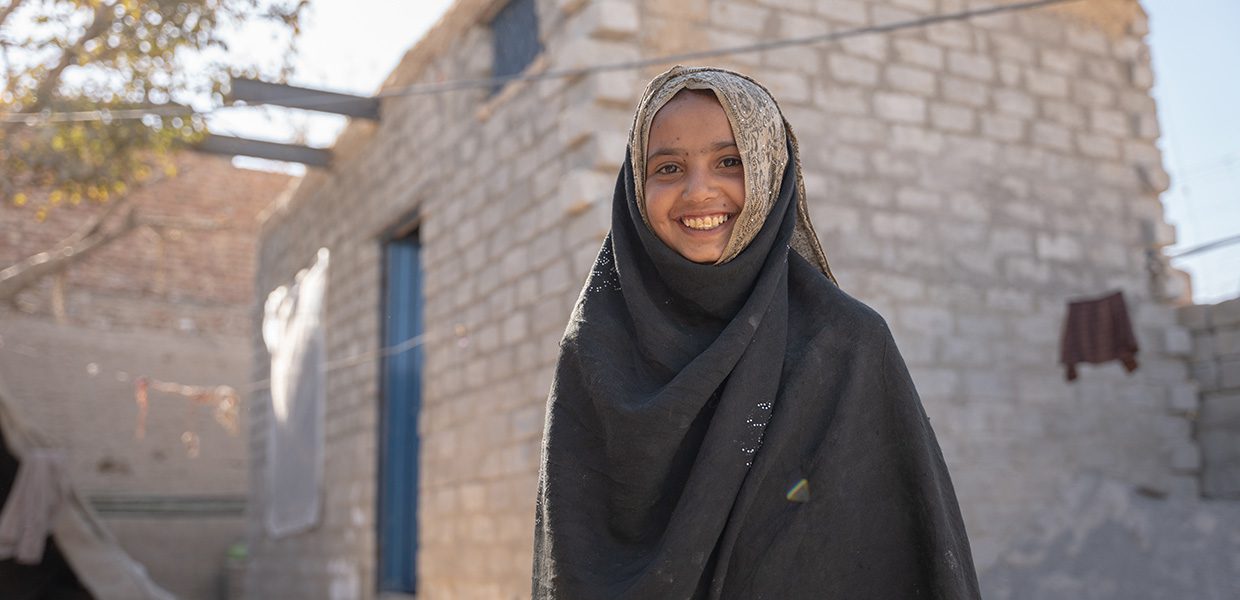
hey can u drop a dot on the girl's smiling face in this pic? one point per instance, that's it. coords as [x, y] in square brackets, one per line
[695, 183]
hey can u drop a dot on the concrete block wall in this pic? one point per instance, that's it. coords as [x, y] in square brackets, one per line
[967, 178]
[1215, 347]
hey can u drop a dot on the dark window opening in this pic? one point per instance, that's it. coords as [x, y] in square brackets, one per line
[514, 32]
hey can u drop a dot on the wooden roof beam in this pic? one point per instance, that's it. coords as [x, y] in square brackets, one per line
[234, 146]
[253, 91]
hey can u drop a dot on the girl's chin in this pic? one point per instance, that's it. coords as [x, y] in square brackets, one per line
[704, 247]
[702, 256]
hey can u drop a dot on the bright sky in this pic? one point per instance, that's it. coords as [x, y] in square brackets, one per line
[346, 46]
[1196, 52]
[351, 45]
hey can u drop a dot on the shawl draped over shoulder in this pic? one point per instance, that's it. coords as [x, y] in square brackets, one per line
[742, 429]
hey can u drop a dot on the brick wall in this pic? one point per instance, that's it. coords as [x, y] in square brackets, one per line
[187, 280]
[967, 179]
[174, 309]
[1216, 367]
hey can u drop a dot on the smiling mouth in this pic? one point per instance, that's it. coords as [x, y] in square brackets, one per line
[704, 223]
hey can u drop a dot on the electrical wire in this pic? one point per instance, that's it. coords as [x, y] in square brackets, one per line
[42, 118]
[1223, 167]
[1225, 162]
[33, 119]
[461, 335]
[1216, 244]
[448, 86]
[355, 359]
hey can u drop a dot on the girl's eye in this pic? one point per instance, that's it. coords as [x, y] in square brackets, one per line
[730, 161]
[667, 169]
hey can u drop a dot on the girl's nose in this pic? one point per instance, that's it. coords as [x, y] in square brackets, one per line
[700, 185]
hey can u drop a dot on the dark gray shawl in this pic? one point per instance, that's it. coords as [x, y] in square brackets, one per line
[737, 430]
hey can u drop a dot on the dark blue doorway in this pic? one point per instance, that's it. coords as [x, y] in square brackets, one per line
[401, 399]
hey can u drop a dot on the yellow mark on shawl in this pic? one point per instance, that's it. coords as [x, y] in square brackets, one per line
[799, 492]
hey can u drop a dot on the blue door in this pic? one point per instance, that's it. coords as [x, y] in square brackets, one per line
[401, 399]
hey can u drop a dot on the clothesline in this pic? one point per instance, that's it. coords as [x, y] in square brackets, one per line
[420, 89]
[225, 399]
[460, 332]
[359, 358]
[1216, 244]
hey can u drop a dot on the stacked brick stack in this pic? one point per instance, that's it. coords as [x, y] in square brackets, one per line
[1216, 367]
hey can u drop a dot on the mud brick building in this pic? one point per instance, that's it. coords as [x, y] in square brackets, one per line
[968, 179]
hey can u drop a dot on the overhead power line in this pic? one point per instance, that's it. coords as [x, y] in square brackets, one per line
[462, 84]
[1219, 243]
[40, 118]
[492, 82]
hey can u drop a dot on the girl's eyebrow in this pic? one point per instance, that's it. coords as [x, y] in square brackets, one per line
[715, 147]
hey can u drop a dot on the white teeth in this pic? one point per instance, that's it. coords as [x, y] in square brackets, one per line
[704, 222]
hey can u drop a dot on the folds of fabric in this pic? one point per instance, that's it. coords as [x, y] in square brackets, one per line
[36, 496]
[294, 335]
[742, 429]
[764, 140]
[687, 401]
[1096, 331]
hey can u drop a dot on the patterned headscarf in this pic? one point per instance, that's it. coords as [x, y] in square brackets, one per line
[763, 137]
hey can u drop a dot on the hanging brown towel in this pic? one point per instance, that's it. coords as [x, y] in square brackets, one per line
[1098, 331]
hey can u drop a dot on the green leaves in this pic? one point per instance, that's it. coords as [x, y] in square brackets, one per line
[78, 75]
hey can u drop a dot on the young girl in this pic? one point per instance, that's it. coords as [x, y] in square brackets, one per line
[724, 421]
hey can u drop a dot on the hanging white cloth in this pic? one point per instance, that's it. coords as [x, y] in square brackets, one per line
[35, 498]
[293, 333]
[98, 561]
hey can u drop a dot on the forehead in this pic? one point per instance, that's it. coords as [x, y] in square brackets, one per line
[691, 111]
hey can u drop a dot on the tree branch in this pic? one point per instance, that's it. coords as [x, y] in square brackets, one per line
[29, 271]
[47, 87]
[9, 10]
[9, 78]
[181, 224]
[26, 273]
[93, 226]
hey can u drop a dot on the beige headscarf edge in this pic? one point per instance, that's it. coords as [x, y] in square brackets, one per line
[762, 137]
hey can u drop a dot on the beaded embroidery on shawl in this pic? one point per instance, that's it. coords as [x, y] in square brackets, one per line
[762, 136]
[603, 275]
